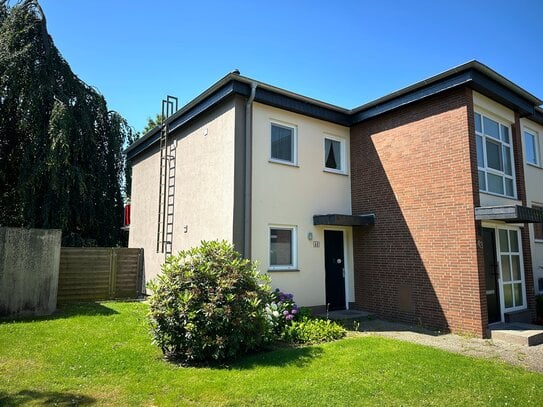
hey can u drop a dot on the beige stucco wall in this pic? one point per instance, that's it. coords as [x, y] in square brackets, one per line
[291, 195]
[534, 195]
[204, 188]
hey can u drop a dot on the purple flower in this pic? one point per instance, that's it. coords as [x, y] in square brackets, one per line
[294, 311]
[289, 317]
[285, 312]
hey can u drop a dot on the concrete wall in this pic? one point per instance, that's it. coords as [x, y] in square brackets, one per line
[29, 264]
[204, 187]
[289, 195]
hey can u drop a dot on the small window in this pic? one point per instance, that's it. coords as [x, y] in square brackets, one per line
[334, 154]
[282, 247]
[538, 227]
[283, 143]
[531, 146]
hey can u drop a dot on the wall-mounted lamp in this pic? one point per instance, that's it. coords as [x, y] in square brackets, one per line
[310, 236]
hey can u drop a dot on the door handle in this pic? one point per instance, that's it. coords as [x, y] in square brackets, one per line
[343, 271]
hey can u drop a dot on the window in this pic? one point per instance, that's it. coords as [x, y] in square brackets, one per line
[334, 154]
[494, 156]
[531, 146]
[283, 143]
[538, 227]
[282, 247]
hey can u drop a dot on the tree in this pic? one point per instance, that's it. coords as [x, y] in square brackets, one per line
[152, 123]
[61, 161]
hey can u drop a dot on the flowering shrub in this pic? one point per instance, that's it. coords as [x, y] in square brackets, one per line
[281, 311]
[209, 304]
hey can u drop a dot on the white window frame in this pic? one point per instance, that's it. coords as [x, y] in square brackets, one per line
[522, 280]
[294, 247]
[294, 129]
[487, 170]
[342, 152]
[535, 135]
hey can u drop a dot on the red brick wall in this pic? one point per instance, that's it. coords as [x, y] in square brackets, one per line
[414, 168]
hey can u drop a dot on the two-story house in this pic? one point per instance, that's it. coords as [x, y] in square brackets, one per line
[421, 206]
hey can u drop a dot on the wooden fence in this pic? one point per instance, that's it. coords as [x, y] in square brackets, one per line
[98, 273]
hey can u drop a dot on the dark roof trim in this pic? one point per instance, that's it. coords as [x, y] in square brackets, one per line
[344, 220]
[509, 214]
[537, 116]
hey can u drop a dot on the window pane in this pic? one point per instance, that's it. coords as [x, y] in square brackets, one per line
[506, 268]
[494, 155]
[518, 295]
[482, 181]
[504, 243]
[281, 247]
[538, 227]
[531, 149]
[480, 153]
[332, 149]
[478, 126]
[495, 183]
[508, 295]
[509, 187]
[281, 143]
[515, 267]
[491, 128]
[505, 133]
[513, 238]
[507, 160]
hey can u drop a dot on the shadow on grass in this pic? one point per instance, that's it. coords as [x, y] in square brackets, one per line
[45, 398]
[66, 311]
[278, 357]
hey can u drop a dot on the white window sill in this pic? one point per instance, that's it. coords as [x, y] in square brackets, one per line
[540, 241]
[287, 163]
[332, 171]
[514, 198]
[534, 165]
[273, 269]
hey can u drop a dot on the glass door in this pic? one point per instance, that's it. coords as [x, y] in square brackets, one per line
[512, 270]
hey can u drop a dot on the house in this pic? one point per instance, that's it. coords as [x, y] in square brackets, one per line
[423, 206]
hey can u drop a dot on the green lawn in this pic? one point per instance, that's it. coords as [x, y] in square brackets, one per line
[100, 354]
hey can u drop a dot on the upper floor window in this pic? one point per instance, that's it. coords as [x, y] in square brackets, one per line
[334, 154]
[538, 227]
[531, 146]
[283, 143]
[494, 156]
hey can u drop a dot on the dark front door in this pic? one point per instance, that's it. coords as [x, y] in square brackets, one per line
[491, 275]
[334, 263]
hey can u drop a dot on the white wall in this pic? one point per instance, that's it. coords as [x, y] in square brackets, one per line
[534, 195]
[204, 194]
[291, 195]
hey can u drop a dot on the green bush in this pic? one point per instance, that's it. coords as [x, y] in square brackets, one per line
[208, 304]
[313, 330]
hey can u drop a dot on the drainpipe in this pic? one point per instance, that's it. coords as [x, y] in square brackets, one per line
[248, 171]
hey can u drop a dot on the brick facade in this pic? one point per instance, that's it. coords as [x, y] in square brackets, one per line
[415, 168]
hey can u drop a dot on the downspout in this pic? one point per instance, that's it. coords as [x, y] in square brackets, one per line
[248, 172]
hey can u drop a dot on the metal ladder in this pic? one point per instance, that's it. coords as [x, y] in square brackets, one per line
[166, 194]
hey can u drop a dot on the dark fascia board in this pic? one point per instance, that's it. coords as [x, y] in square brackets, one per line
[509, 214]
[235, 84]
[344, 220]
[537, 116]
[473, 73]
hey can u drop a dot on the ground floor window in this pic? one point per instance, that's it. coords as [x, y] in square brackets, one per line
[282, 247]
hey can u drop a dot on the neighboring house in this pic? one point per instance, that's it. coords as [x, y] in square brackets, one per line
[420, 206]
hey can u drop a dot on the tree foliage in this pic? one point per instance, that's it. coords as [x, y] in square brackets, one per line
[61, 162]
[152, 123]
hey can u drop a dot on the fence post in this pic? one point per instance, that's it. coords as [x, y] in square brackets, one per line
[113, 273]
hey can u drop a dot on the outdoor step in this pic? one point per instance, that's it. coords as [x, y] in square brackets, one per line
[517, 333]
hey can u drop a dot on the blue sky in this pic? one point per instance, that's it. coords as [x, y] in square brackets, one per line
[342, 52]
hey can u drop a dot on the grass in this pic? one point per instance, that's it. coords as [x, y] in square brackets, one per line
[100, 354]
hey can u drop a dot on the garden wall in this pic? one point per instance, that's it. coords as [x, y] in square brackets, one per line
[29, 264]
